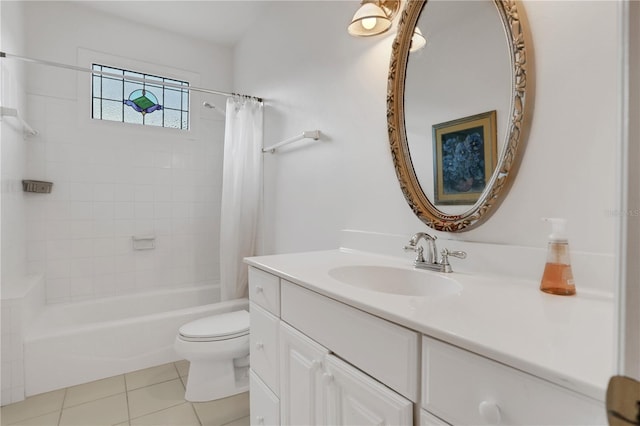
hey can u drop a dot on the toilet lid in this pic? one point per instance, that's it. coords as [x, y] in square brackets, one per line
[217, 327]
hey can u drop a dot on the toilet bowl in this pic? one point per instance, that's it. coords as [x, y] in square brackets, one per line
[217, 348]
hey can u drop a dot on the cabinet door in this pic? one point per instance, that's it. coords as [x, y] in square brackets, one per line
[300, 378]
[353, 398]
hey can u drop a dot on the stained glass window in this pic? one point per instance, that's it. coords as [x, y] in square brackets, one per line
[165, 104]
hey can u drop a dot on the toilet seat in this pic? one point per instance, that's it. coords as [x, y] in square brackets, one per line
[215, 328]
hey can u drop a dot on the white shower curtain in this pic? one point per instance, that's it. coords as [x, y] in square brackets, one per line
[241, 193]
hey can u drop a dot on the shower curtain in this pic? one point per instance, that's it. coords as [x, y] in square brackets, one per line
[241, 193]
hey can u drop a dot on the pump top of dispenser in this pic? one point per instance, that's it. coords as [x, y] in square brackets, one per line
[558, 229]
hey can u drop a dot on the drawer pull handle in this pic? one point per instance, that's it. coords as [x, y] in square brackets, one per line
[490, 412]
[259, 289]
[259, 345]
[260, 420]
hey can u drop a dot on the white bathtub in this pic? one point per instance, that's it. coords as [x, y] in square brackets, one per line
[74, 343]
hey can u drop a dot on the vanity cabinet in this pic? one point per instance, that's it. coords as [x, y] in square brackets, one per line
[318, 361]
[311, 376]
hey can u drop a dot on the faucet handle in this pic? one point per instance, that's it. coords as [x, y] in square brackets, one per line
[417, 249]
[458, 253]
[444, 261]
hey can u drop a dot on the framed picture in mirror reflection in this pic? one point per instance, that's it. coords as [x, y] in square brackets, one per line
[464, 157]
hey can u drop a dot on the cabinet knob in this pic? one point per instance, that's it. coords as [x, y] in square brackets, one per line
[490, 412]
[316, 364]
[259, 289]
[328, 378]
[260, 420]
[259, 345]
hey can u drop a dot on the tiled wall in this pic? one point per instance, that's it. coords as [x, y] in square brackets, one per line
[13, 154]
[113, 181]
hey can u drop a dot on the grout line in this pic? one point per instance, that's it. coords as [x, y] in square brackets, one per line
[184, 385]
[196, 413]
[126, 396]
[60, 416]
[64, 399]
[152, 384]
[235, 420]
[239, 418]
[163, 409]
[157, 411]
[93, 400]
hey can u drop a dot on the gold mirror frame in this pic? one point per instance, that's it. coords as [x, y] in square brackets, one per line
[506, 168]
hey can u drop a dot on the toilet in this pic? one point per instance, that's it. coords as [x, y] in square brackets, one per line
[217, 348]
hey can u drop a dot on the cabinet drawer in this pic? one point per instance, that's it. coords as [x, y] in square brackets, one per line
[264, 346]
[381, 349]
[463, 388]
[264, 289]
[265, 406]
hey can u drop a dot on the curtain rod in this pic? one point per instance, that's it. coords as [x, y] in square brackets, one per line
[122, 77]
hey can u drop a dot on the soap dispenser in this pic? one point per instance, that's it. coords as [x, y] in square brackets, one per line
[558, 277]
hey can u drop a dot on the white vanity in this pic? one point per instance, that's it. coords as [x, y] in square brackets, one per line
[327, 349]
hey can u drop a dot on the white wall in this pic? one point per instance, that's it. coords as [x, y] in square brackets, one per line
[314, 75]
[112, 180]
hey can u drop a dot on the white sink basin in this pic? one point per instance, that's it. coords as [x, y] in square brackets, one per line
[406, 282]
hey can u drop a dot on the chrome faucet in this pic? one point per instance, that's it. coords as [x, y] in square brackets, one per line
[431, 261]
[431, 247]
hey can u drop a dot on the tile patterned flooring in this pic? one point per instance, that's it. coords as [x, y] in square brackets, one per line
[150, 397]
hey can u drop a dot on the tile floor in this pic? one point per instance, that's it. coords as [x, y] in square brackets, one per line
[150, 397]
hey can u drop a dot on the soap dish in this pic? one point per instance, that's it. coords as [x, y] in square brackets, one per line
[37, 186]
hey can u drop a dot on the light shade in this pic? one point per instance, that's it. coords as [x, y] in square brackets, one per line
[417, 40]
[369, 20]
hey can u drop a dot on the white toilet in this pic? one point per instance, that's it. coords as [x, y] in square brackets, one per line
[218, 350]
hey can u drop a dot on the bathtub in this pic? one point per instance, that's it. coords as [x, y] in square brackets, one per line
[74, 343]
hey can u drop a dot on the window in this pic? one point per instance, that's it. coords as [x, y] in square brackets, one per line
[129, 101]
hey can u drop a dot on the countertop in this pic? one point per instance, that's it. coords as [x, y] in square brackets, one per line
[567, 340]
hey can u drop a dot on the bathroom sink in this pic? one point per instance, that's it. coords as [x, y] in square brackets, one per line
[406, 282]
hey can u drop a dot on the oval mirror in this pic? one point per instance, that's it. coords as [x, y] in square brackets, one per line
[456, 107]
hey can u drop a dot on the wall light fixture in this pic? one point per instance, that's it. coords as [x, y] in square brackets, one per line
[417, 40]
[373, 17]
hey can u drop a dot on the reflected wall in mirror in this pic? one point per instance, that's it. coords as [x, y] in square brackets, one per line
[473, 65]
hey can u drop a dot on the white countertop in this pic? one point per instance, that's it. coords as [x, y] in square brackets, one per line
[567, 340]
